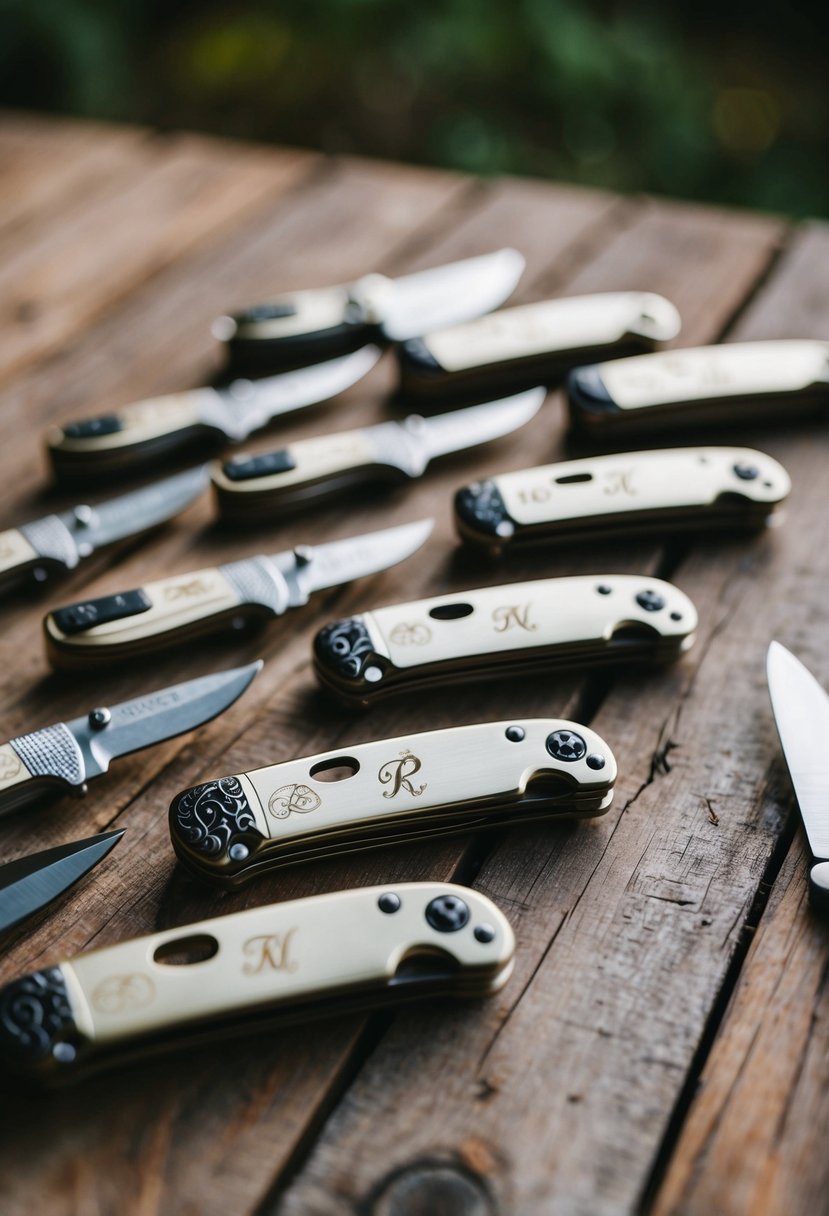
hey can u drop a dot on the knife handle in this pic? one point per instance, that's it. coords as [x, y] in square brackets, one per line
[520, 627]
[158, 615]
[36, 551]
[296, 959]
[130, 437]
[47, 760]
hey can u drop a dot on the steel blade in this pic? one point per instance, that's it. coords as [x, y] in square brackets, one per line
[448, 295]
[94, 527]
[248, 405]
[801, 711]
[444, 433]
[29, 883]
[340, 561]
[133, 725]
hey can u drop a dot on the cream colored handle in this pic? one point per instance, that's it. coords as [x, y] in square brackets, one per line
[159, 422]
[291, 315]
[13, 772]
[15, 553]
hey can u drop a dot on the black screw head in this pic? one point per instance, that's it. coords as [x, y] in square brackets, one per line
[566, 745]
[594, 760]
[388, 902]
[603, 589]
[484, 933]
[747, 472]
[651, 601]
[447, 913]
[515, 733]
[99, 718]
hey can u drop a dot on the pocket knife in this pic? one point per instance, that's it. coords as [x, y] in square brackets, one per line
[518, 347]
[56, 544]
[801, 711]
[653, 491]
[392, 791]
[63, 757]
[137, 435]
[735, 382]
[29, 883]
[200, 602]
[261, 486]
[304, 326]
[325, 955]
[517, 628]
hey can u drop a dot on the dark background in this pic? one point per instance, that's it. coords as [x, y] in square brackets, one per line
[724, 102]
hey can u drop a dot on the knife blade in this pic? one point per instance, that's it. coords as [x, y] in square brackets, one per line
[302, 326]
[66, 755]
[327, 954]
[57, 543]
[138, 434]
[518, 628]
[704, 385]
[240, 593]
[534, 343]
[492, 774]
[801, 712]
[262, 485]
[29, 883]
[668, 489]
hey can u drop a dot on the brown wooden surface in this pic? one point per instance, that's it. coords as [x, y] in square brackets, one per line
[662, 1045]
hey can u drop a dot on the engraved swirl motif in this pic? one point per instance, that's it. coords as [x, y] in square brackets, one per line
[35, 1014]
[51, 752]
[415, 634]
[209, 816]
[481, 507]
[345, 646]
[123, 993]
[288, 798]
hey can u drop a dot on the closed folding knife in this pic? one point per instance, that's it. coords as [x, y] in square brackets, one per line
[254, 487]
[29, 883]
[655, 491]
[391, 791]
[303, 326]
[534, 343]
[138, 435]
[56, 544]
[801, 711]
[517, 628]
[64, 757]
[253, 590]
[704, 385]
[326, 955]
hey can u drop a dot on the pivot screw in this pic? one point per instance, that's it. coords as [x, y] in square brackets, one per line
[389, 902]
[64, 1053]
[594, 760]
[651, 601]
[99, 718]
[238, 852]
[372, 674]
[83, 515]
[747, 472]
[566, 745]
[515, 733]
[447, 913]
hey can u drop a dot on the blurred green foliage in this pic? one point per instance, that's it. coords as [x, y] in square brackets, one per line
[702, 101]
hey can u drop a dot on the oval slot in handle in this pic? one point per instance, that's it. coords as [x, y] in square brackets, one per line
[337, 768]
[572, 479]
[451, 612]
[186, 951]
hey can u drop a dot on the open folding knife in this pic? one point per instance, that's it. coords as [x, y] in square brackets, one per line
[326, 955]
[735, 382]
[534, 343]
[254, 487]
[303, 326]
[801, 711]
[189, 605]
[54, 545]
[137, 435]
[654, 491]
[563, 622]
[493, 774]
[29, 883]
[65, 756]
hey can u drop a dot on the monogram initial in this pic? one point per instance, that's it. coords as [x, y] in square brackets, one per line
[398, 774]
[619, 482]
[268, 952]
[513, 616]
[179, 591]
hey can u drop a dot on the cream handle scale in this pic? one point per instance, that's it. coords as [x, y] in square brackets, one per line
[298, 955]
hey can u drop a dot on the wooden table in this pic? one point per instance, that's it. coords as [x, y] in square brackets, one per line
[663, 1043]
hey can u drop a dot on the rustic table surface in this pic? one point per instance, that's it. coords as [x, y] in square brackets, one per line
[664, 1043]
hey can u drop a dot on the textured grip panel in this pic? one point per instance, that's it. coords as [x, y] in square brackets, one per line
[36, 1021]
[210, 818]
[51, 752]
[257, 582]
[51, 538]
[344, 648]
[480, 508]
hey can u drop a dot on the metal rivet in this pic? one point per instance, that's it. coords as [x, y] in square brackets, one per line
[40, 575]
[603, 589]
[83, 515]
[515, 733]
[594, 760]
[238, 852]
[484, 933]
[389, 902]
[99, 718]
[303, 555]
[505, 529]
[746, 472]
[651, 601]
[64, 1053]
[447, 913]
[566, 745]
[372, 674]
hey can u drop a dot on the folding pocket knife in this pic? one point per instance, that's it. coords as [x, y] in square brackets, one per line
[255, 487]
[493, 774]
[63, 757]
[56, 544]
[138, 435]
[704, 385]
[29, 883]
[655, 491]
[304, 326]
[562, 622]
[801, 711]
[326, 955]
[534, 343]
[241, 593]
